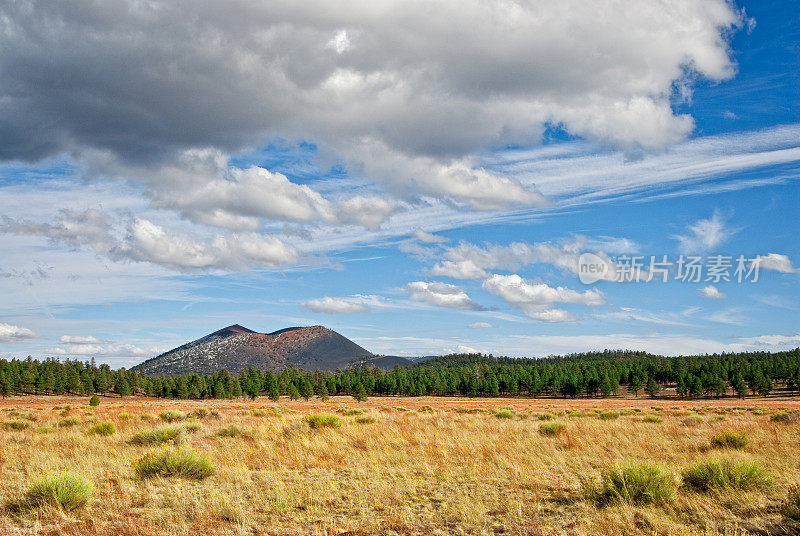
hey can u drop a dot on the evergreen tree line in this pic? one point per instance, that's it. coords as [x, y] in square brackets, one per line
[596, 374]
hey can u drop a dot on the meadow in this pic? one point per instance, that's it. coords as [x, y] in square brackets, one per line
[417, 465]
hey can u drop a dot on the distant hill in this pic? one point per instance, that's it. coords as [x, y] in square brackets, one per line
[235, 348]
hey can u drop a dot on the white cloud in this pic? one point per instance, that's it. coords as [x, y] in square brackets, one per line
[777, 262]
[428, 238]
[366, 211]
[711, 292]
[537, 299]
[11, 334]
[105, 350]
[406, 91]
[441, 294]
[480, 325]
[704, 235]
[470, 261]
[80, 339]
[149, 242]
[328, 305]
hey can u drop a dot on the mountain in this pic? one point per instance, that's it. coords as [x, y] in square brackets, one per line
[235, 348]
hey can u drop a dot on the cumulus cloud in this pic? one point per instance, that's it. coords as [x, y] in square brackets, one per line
[441, 294]
[704, 235]
[470, 261]
[146, 241]
[480, 325]
[405, 91]
[366, 211]
[330, 306]
[10, 333]
[777, 262]
[149, 242]
[537, 299]
[711, 292]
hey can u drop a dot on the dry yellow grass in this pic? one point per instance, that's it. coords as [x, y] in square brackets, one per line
[409, 472]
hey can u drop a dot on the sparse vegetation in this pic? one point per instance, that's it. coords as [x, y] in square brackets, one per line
[652, 419]
[66, 422]
[172, 416]
[725, 473]
[633, 483]
[231, 431]
[730, 439]
[552, 428]
[15, 424]
[102, 429]
[65, 490]
[365, 419]
[157, 436]
[505, 413]
[174, 462]
[323, 420]
[94, 401]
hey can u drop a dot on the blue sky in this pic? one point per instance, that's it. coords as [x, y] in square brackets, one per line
[418, 197]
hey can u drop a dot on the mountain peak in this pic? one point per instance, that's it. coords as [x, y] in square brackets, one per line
[236, 348]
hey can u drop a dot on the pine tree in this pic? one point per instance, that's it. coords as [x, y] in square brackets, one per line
[306, 389]
[637, 382]
[294, 394]
[605, 385]
[652, 388]
[359, 392]
[324, 395]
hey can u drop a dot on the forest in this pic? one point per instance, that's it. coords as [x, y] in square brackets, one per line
[594, 374]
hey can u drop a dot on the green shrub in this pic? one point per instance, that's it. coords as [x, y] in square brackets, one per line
[125, 416]
[651, 418]
[172, 416]
[607, 415]
[230, 431]
[504, 413]
[471, 411]
[156, 437]
[426, 409]
[66, 422]
[552, 428]
[725, 473]
[94, 401]
[785, 417]
[65, 490]
[169, 461]
[545, 416]
[323, 420]
[350, 411]
[192, 426]
[791, 506]
[46, 429]
[633, 483]
[365, 419]
[102, 429]
[147, 417]
[15, 424]
[729, 439]
[201, 413]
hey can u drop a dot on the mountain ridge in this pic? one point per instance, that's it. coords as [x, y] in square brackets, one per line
[236, 347]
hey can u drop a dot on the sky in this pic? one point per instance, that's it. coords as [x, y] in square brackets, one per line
[422, 177]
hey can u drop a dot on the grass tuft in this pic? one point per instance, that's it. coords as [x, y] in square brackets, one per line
[66, 422]
[157, 436]
[365, 419]
[64, 490]
[552, 428]
[323, 420]
[725, 473]
[15, 424]
[791, 506]
[633, 483]
[172, 416]
[102, 429]
[169, 462]
[231, 431]
[504, 413]
[730, 440]
[652, 419]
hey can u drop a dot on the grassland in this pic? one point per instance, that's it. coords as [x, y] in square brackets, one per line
[397, 465]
